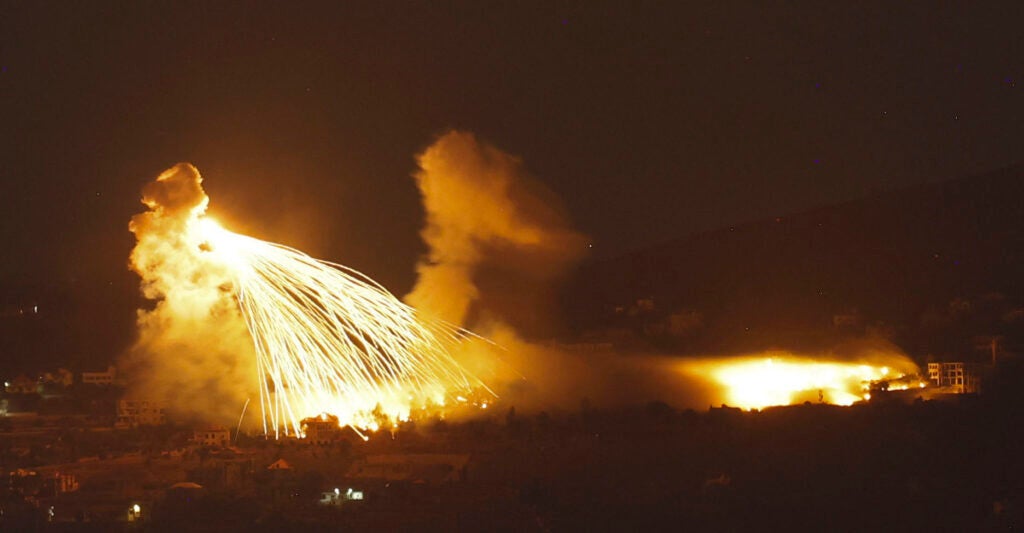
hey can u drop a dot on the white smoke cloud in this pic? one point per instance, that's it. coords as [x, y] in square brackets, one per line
[193, 350]
[498, 240]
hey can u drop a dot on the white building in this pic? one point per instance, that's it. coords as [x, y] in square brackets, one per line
[212, 436]
[100, 378]
[958, 376]
[135, 413]
[323, 429]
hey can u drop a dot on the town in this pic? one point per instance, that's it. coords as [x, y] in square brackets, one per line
[84, 456]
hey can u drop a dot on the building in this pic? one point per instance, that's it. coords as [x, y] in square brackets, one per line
[957, 376]
[61, 377]
[422, 468]
[100, 378]
[323, 429]
[224, 467]
[212, 436]
[135, 413]
[22, 385]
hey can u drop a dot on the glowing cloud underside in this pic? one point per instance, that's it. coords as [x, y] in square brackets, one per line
[326, 338]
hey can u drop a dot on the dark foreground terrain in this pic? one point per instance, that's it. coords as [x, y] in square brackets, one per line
[915, 465]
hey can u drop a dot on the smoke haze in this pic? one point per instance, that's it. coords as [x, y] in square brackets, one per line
[499, 243]
[193, 350]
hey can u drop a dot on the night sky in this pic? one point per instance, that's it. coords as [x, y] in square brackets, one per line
[650, 120]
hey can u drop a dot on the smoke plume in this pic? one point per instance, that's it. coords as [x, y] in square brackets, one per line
[498, 239]
[499, 243]
[193, 352]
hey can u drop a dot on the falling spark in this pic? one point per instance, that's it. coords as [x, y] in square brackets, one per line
[234, 314]
[330, 339]
[238, 430]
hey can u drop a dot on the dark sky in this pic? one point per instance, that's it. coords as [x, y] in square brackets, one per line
[650, 120]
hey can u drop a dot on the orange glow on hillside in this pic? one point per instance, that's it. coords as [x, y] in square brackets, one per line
[755, 382]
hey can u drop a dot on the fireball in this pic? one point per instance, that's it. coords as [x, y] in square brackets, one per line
[327, 339]
[780, 378]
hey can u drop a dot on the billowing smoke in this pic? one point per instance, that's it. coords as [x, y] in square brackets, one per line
[498, 239]
[194, 352]
[555, 377]
[499, 243]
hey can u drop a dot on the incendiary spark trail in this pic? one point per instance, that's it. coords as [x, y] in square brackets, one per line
[327, 338]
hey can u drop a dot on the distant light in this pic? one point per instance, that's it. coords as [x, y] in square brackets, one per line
[35, 308]
[136, 508]
[337, 491]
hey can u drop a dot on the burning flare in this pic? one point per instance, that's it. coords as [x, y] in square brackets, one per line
[327, 338]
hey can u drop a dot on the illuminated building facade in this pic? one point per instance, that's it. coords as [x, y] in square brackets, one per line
[959, 377]
[135, 413]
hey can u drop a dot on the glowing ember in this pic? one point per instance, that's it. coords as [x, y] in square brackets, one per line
[782, 379]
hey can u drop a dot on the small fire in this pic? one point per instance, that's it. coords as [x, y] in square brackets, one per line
[784, 379]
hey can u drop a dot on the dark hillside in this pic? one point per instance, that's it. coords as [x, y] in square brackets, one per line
[900, 262]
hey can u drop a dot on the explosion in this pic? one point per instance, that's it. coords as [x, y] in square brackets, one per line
[780, 378]
[326, 338]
